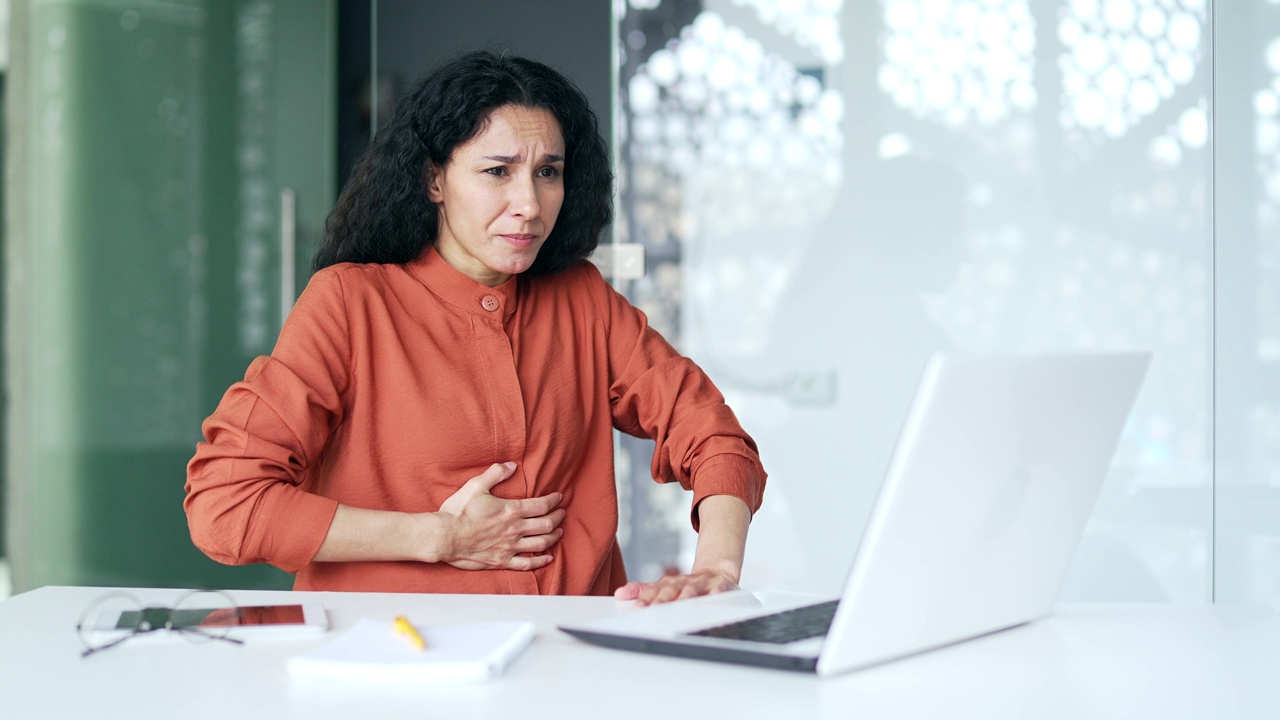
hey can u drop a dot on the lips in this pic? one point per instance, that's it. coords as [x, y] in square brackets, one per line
[521, 240]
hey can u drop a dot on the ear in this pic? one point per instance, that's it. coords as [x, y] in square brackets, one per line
[431, 174]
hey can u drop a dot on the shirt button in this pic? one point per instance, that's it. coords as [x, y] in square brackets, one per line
[489, 302]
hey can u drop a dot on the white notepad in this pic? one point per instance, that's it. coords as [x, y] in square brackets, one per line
[372, 652]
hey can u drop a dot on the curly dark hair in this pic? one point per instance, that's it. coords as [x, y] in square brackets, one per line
[383, 214]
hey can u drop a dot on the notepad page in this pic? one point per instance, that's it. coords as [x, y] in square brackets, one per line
[372, 652]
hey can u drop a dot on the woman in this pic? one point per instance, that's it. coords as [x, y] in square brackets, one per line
[437, 413]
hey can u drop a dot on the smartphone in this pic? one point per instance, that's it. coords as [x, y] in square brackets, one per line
[245, 621]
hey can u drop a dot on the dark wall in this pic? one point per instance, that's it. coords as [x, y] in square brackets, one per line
[573, 36]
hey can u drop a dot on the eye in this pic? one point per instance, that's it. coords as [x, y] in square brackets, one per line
[549, 172]
[497, 171]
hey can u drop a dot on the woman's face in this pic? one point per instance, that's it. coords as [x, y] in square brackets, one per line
[499, 194]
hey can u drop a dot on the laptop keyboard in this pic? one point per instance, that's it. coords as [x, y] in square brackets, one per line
[778, 628]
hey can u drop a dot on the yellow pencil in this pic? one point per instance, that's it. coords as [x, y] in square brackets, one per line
[405, 628]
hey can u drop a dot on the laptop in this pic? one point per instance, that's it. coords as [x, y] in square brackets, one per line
[990, 486]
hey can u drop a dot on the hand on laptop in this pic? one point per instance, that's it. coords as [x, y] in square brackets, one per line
[677, 587]
[717, 563]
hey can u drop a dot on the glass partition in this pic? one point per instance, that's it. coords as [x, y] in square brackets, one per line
[1246, 214]
[832, 190]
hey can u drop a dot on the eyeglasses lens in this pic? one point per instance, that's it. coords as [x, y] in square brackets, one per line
[204, 615]
[109, 620]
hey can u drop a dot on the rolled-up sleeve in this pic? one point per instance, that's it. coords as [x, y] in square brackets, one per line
[246, 492]
[658, 393]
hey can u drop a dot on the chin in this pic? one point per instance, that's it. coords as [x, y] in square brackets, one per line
[516, 265]
[519, 265]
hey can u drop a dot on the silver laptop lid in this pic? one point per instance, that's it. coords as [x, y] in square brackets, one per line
[991, 484]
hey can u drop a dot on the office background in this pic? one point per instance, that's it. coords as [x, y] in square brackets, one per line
[826, 190]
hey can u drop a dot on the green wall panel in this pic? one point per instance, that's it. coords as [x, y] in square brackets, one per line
[158, 139]
[4, 395]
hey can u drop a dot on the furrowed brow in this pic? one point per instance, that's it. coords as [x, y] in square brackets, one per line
[512, 159]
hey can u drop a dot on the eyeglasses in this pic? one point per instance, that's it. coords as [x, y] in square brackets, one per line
[198, 615]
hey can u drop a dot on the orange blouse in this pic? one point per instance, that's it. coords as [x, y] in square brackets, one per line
[392, 385]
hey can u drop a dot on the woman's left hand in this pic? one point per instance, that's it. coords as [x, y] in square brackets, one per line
[677, 587]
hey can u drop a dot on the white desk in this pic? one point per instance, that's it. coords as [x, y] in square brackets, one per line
[1149, 661]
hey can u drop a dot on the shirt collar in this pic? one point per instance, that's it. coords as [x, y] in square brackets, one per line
[456, 288]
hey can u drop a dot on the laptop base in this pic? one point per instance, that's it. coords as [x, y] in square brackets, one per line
[697, 652]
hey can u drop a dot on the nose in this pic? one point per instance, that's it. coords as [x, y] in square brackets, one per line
[524, 201]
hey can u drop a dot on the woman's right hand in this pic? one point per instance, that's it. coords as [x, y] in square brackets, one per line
[489, 533]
